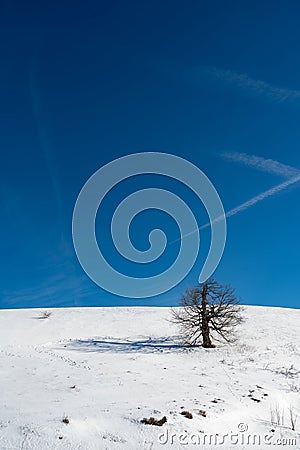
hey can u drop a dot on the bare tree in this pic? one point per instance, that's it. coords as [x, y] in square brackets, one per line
[209, 308]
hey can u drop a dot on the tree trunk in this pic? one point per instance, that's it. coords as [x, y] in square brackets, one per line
[206, 342]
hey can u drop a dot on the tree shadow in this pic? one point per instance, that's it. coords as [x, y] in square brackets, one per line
[114, 345]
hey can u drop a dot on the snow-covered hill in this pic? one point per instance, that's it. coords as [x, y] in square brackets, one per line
[107, 368]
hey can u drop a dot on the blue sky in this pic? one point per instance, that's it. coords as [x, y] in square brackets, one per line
[83, 83]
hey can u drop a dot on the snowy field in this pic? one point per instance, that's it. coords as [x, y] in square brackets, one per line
[105, 369]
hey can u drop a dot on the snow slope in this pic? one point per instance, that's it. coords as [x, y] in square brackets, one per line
[107, 368]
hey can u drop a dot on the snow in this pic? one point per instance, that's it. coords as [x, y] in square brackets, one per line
[107, 368]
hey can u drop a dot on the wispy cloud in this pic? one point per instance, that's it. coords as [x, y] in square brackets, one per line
[259, 87]
[263, 164]
[55, 290]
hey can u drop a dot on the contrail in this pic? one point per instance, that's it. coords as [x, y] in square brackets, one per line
[44, 141]
[246, 205]
[258, 198]
[265, 165]
[258, 87]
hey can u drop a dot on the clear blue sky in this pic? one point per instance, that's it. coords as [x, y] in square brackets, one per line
[85, 82]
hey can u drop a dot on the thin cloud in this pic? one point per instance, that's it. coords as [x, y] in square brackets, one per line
[259, 87]
[265, 165]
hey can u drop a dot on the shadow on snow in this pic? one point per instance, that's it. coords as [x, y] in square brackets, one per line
[149, 345]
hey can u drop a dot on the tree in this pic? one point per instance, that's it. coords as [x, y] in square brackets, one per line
[207, 309]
